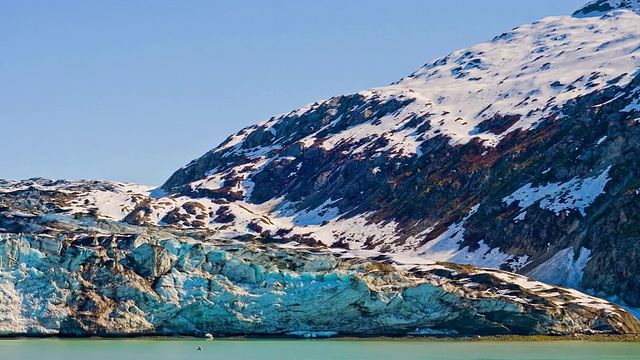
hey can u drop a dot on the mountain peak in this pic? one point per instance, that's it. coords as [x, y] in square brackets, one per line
[600, 7]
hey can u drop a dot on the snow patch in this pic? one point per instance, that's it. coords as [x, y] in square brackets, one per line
[157, 193]
[446, 247]
[317, 216]
[574, 194]
[634, 106]
[563, 268]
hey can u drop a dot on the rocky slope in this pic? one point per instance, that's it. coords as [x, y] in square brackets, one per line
[518, 154]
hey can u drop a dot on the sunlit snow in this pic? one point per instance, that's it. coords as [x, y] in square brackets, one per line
[574, 194]
[563, 268]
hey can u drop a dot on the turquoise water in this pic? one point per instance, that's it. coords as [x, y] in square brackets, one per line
[178, 349]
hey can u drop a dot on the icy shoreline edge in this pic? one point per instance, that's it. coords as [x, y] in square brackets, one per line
[461, 338]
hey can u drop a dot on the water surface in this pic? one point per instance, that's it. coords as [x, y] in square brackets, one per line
[161, 349]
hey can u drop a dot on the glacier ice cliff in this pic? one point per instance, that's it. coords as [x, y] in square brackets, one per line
[84, 277]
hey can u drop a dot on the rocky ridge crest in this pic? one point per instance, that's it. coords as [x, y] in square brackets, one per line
[601, 7]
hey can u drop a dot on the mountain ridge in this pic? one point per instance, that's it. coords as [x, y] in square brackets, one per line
[601, 7]
[358, 156]
[463, 71]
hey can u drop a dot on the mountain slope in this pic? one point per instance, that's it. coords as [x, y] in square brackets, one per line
[502, 155]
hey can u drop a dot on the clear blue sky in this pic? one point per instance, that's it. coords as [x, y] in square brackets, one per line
[132, 90]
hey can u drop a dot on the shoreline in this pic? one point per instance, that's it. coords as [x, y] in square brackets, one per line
[443, 338]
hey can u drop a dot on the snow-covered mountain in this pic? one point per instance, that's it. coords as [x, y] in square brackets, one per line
[518, 154]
